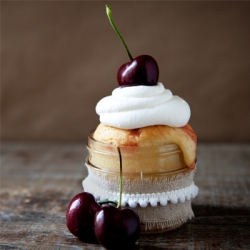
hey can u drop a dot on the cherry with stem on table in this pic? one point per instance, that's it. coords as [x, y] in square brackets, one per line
[117, 227]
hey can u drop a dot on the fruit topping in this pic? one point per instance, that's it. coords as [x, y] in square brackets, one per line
[142, 70]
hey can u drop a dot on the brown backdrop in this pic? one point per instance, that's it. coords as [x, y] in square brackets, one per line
[60, 58]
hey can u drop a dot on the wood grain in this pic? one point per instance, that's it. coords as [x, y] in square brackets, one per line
[39, 179]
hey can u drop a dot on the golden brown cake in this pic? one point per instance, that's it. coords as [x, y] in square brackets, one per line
[157, 135]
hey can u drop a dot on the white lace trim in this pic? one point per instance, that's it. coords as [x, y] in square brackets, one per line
[143, 200]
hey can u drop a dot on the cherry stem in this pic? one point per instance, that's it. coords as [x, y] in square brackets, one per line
[109, 14]
[107, 202]
[120, 187]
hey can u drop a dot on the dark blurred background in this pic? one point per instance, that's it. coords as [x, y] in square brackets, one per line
[59, 58]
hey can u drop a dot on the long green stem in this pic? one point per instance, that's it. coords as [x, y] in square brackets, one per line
[109, 14]
[120, 187]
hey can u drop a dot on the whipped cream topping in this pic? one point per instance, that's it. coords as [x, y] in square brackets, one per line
[141, 106]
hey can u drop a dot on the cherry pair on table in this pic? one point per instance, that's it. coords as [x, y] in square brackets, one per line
[111, 226]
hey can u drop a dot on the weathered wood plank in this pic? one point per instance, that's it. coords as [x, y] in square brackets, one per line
[38, 181]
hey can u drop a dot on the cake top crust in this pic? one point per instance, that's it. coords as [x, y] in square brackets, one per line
[159, 135]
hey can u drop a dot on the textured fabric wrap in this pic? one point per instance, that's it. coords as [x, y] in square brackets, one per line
[162, 200]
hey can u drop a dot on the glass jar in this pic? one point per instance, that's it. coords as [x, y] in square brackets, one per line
[156, 182]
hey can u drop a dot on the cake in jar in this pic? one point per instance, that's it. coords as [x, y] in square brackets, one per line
[151, 128]
[159, 160]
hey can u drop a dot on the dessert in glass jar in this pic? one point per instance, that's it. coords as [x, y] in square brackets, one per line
[141, 158]
[159, 161]
[144, 128]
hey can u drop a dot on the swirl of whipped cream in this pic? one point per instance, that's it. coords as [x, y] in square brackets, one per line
[142, 106]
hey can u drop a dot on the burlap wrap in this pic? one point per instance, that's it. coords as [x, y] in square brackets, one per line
[162, 201]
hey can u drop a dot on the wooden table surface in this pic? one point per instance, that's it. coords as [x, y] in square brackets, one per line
[39, 179]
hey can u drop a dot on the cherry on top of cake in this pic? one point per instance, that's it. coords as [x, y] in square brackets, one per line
[142, 70]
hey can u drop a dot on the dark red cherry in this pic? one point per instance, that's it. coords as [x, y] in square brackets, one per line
[116, 228]
[143, 70]
[80, 216]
